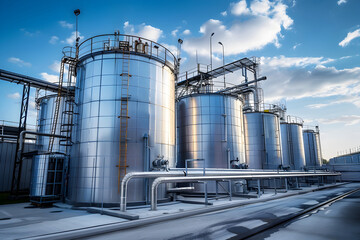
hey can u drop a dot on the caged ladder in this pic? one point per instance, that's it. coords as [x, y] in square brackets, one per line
[124, 117]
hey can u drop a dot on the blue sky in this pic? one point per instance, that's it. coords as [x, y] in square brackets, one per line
[309, 50]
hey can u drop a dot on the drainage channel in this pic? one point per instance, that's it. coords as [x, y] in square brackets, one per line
[295, 216]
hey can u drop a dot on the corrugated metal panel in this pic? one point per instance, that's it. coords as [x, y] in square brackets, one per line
[7, 158]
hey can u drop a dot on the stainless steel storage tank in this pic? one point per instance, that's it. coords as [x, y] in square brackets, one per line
[104, 63]
[292, 143]
[210, 127]
[312, 148]
[47, 168]
[262, 140]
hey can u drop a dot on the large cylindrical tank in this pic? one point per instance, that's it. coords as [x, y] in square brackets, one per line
[292, 145]
[210, 127]
[312, 148]
[104, 64]
[47, 168]
[262, 140]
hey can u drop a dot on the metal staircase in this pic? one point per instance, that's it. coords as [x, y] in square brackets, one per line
[125, 75]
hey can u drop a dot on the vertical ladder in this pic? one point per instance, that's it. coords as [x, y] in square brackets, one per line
[57, 105]
[68, 112]
[124, 114]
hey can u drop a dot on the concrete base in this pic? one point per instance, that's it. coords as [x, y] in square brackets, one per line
[113, 213]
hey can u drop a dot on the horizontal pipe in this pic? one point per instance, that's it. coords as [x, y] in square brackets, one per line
[177, 172]
[14, 137]
[23, 133]
[160, 180]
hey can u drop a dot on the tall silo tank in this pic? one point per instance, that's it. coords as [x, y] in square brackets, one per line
[210, 127]
[312, 148]
[292, 145]
[47, 168]
[94, 166]
[262, 140]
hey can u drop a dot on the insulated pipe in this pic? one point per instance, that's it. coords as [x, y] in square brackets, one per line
[160, 180]
[181, 172]
[129, 176]
[22, 135]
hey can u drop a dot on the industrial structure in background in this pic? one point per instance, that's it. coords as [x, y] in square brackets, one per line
[348, 163]
[121, 110]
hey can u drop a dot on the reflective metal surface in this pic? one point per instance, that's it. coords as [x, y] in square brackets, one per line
[151, 111]
[262, 140]
[41, 162]
[292, 145]
[210, 127]
[312, 148]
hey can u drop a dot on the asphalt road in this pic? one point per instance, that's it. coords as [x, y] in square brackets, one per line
[338, 221]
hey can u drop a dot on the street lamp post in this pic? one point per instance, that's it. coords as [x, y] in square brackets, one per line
[223, 62]
[211, 51]
[77, 13]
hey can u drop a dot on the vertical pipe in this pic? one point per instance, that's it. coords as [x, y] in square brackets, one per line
[297, 182]
[206, 194]
[230, 190]
[258, 186]
[275, 186]
[216, 190]
[146, 165]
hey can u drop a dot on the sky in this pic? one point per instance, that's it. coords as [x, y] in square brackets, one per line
[308, 50]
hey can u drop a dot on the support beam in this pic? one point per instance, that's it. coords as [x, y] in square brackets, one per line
[15, 183]
[32, 82]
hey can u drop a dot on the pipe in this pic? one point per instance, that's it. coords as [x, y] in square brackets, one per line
[191, 171]
[252, 171]
[253, 90]
[129, 176]
[22, 134]
[13, 137]
[241, 85]
[146, 165]
[160, 180]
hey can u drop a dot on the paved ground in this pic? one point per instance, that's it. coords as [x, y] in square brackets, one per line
[20, 222]
[340, 220]
[234, 223]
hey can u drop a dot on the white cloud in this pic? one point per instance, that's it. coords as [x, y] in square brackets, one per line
[71, 40]
[263, 27]
[355, 100]
[49, 77]
[65, 24]
[55, 66]
[224, 13]
[29, 34]
[186, 32]
[240, 8]
[345, 119]
[19, 62]
[286, 62]
[349, 37]
[261, 7]
[341, 2]
[345, 57]
[296, 45]
[54, 39]
[143, 30]
[300, 79]
[15, 95]
[174, 32]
